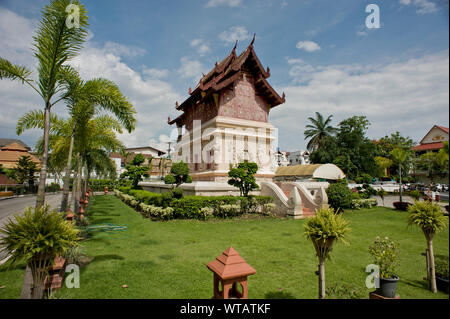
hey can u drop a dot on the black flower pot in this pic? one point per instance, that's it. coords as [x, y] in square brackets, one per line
[388, 287]
[442, 283]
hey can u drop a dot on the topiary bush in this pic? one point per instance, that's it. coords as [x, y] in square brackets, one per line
[339, 195]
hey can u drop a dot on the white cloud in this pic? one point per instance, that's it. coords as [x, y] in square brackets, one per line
[308, 46]
[234, 33]
[201, 46]
[122, 50]
[156, 73]
[190, 68]
[228, 3]
[152, 97]
[423, 6]
[409, 96]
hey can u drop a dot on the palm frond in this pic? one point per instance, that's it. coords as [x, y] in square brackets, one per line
[56, 43]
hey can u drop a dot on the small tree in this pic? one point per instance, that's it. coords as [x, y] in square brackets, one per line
[37, 238]
[24, 170]
[179, 174]
[134, 171]
[339, 195]
[323, 230]
[399, 156]
[243, 177]
[430, 218]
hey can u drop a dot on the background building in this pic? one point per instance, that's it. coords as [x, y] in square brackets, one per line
[11, 150]
[432, 141]
[160, 165]
[298, 157]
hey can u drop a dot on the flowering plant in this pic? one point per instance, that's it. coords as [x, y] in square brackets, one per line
[385, 254]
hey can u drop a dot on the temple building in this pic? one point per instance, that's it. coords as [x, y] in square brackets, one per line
[225, 119]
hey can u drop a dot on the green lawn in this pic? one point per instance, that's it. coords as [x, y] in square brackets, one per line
[168, 259]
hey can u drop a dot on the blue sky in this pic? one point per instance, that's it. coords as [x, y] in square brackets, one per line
[396, 75]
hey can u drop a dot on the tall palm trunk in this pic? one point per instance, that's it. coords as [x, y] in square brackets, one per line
[76, 185]
[321, 278]
[429, 236]
[80, 175]
[400, 180]
[40, 200]
[65, 197]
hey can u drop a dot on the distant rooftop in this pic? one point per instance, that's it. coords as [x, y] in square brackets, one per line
[8, 141]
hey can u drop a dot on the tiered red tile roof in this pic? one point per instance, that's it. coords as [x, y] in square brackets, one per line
[228, 71]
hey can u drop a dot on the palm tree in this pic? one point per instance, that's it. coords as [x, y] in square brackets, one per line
[318, 130]
[399, 156]
[92, 142]
[55, 43]
[83, 101]
[429, 217]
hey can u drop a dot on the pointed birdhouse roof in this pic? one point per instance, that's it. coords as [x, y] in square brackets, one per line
[230, 265]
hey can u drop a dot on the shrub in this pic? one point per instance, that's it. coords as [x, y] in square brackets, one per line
[193, 207]
[345, 291]
[385, 254]
[267, 209]
[428, 216]
[207, 212]
[169, 179]
[363, 179]
[401, 205]
[326, 225]
[364, 203]
[124, 189]
[415, 194]
[36, 239]
[339, 195]
[441, 264]
[177, 193]
[229, 210]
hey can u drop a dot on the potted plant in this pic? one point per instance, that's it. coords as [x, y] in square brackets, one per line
[442, 281]
[430, 218]
[385, 254]
[323, 230]
[37, 238]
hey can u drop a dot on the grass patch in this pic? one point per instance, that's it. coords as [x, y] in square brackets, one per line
[168, 259]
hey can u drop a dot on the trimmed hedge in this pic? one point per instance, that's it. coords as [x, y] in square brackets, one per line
[98, 185]
[156, 205]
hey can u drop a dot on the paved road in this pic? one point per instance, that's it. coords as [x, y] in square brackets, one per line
[389, 200]
[12, 206]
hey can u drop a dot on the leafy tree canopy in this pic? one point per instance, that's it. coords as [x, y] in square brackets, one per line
[243, 177]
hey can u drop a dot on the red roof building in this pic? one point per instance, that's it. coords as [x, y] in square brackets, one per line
[433, 140]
